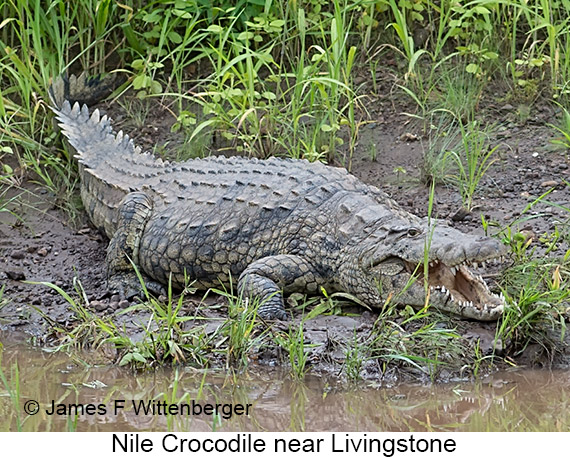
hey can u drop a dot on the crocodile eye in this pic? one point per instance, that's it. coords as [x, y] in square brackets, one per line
[413, 232]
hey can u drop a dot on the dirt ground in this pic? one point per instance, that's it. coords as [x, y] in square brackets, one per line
[45, 247]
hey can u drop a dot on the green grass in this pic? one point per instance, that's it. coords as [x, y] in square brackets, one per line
[277, 70]
[281, 76]
[354, 358]
[472, 158]
[537, 294]
[240, 330]
[293, 343]
[165, 338]
[11, 387]
[419, 343]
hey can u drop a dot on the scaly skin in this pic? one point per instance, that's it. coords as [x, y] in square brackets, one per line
[278, 226]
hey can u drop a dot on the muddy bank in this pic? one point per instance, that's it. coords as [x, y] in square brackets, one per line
[41, 245]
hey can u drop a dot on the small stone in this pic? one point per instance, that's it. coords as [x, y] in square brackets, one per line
[124, 304]
[460, 215]
[37, 301]
[551, 183]
[43, 251]
[409, 137]
[18, 254]
[98, 305]
[16, 275]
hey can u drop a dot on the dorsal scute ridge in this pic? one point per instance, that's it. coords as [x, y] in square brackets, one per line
[96, 117]
[95, 140]
[85, 116]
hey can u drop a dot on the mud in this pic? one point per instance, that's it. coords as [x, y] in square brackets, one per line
[45, 246]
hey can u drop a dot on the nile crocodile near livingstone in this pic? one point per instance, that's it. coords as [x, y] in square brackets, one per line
[279, 225]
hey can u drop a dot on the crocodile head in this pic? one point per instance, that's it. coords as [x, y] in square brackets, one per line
[391, 263]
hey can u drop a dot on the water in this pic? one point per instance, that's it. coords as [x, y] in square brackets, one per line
[519, 400]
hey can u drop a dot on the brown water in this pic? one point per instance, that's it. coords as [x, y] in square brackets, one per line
[508, 401]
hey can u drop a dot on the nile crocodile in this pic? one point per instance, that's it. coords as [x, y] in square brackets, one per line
[277, 225]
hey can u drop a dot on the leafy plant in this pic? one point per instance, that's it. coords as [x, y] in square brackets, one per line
[294, 345]
[473, 160]
[537, 295]
[239, 328]
[563, 128]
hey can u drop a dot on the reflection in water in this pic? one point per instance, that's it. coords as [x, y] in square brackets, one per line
[507, 401]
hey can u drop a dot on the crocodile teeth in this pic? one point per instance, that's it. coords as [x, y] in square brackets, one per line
[454, 270]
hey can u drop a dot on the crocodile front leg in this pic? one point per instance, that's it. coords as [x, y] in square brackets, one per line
[267, 278]
[133, 213]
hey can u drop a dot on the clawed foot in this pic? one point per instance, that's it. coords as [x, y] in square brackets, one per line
[128, 286]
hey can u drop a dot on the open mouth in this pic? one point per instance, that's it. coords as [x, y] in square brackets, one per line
[460, 291]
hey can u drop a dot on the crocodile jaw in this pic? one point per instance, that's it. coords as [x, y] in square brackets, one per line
[459, 291]
[454, 289]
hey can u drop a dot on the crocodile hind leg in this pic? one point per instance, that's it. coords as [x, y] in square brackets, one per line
[133, 213]
[267, 278]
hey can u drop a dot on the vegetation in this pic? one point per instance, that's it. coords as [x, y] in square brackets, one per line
[279, 78]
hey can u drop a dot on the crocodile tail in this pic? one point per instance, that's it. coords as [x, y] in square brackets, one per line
[110, 164]
[98, 147]
[83, 89]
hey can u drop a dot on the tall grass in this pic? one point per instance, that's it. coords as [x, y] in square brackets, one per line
[281, 73]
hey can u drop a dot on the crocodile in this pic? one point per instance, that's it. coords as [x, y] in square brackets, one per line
[278, 226]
